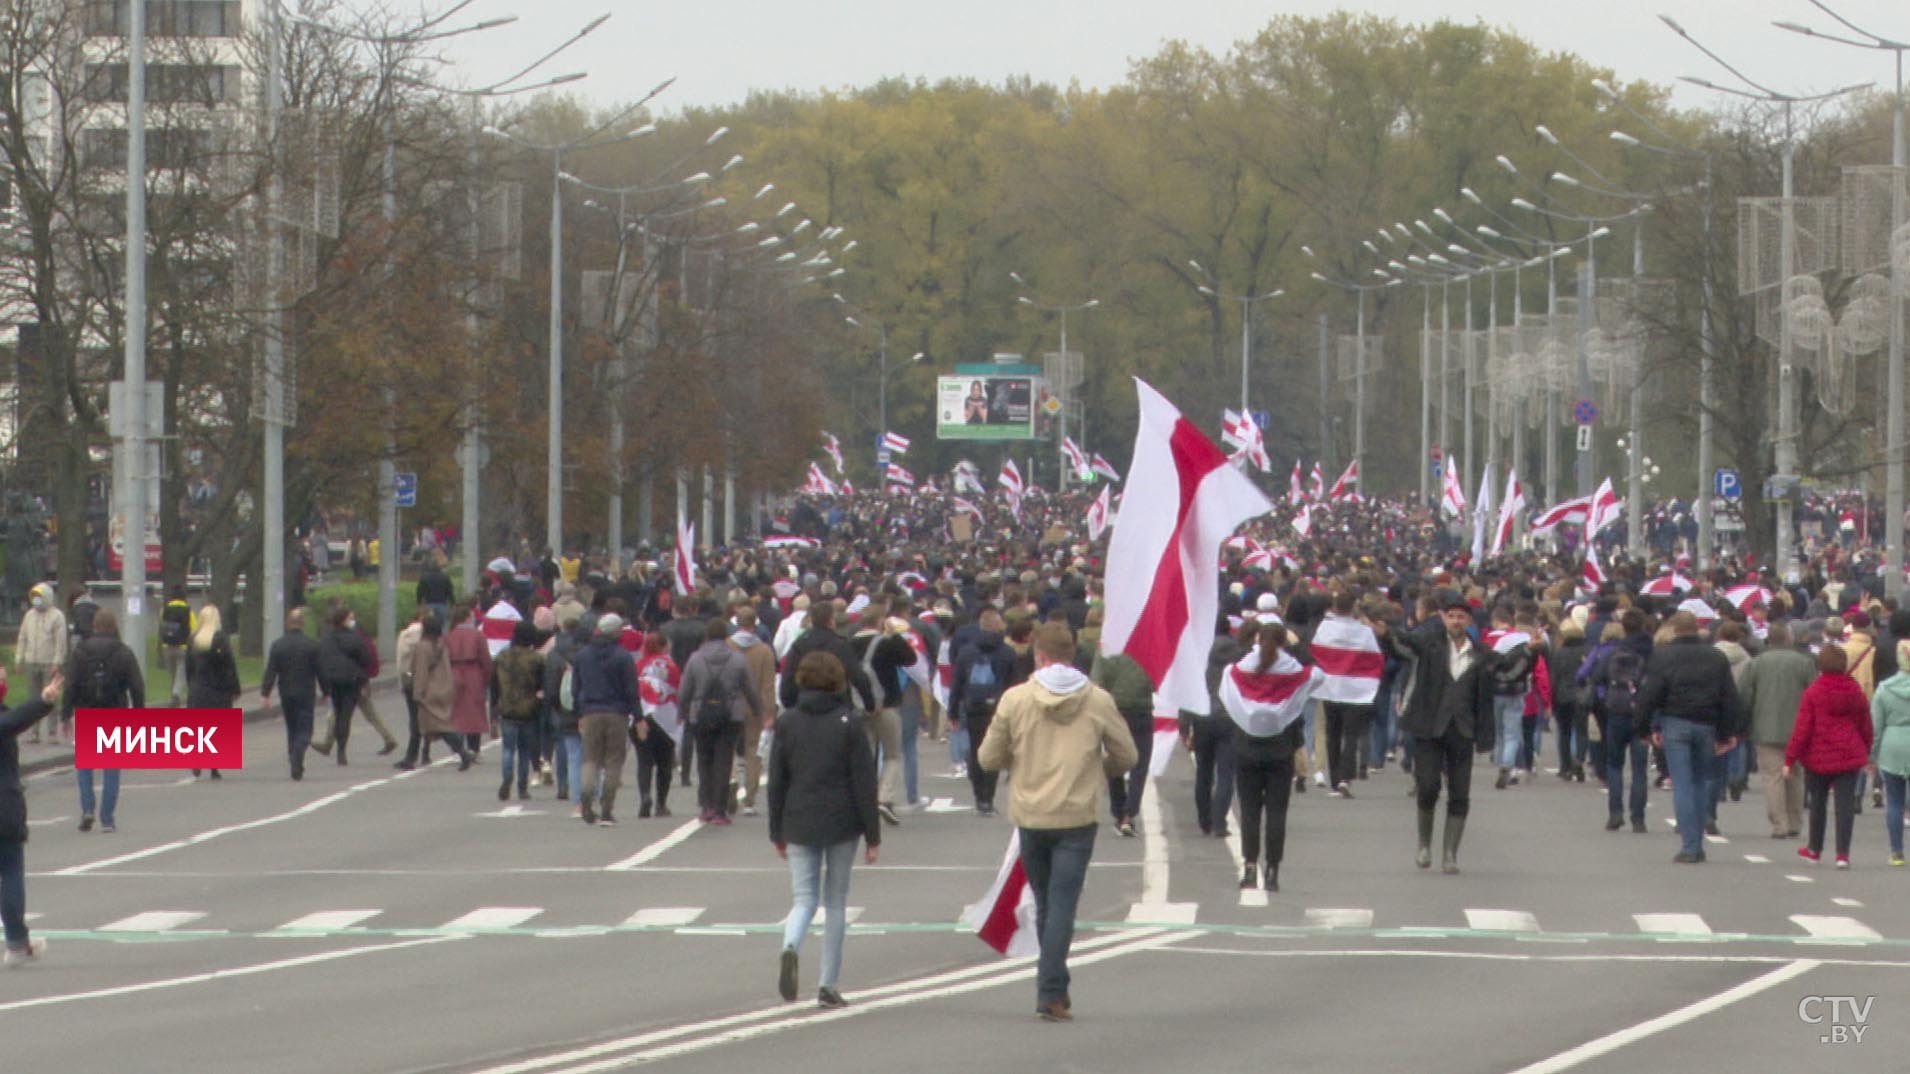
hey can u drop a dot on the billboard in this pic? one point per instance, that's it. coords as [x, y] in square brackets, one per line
[986, 406]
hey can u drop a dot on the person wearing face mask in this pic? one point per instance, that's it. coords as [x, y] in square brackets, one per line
[344, 667]
[1448, 716]
[41, 647]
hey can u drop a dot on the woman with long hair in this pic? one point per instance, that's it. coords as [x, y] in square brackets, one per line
[212, 673]
[1265, 694]
[434, 687]
[661, 725]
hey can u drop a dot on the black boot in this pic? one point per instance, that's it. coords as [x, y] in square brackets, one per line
[1424, 858]
[1270, 878]
[504, 789]
[1250, 876]
[1455, 830]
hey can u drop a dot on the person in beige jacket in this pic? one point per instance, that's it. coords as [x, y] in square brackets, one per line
[40, 648]
[761, 664]
[1061, 737]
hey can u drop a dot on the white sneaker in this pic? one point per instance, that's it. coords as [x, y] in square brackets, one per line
[17, 957]
[960, 771]
[920, 805]
[1319, 779]
[749, 811]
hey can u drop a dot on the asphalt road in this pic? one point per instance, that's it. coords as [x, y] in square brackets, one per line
[368, 920]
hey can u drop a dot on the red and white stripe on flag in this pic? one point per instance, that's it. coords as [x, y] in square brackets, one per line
[1591, 575]
[1076, 458]
[499, 622]
[895, 443]
[1105, 468]
[1098, 513]
[1606, 508]
[1508, 512]
[1347, 487]
[1296, 489]
[1346, 650]
[685, 565]
[1746, 597]
[1004, 919]
[1666, 585]
[1569, 511]
[788, 540]
[1161, 600]
[1452, 493]
[1010, 477]
[1303, 522]
[900, 476]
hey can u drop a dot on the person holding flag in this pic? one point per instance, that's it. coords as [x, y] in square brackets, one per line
[1063, 738]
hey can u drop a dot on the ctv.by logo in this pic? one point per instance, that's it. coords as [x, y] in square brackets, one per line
[1843, 1018]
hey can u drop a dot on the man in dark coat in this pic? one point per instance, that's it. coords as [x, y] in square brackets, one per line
[292, 666]
[821, 635]
[1447, 716]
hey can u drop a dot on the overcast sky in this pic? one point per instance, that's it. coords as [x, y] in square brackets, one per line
[721, 49]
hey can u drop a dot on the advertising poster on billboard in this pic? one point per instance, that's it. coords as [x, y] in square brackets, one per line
[985, 407]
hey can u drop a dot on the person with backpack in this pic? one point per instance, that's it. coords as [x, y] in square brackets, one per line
[212, 673]
[1133, 694]
[176, 628]
[885, 654]
[344, 666]
[1614, 676]
[983, 670]
[292, 667]
[605, 695]
[718, 696]
[517, 697]
[102, 673]
[567, 753]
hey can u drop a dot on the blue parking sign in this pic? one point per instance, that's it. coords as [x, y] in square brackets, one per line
[1726, 485]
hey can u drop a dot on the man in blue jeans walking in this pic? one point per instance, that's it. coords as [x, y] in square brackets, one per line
[1695, 715]
[1063, 738]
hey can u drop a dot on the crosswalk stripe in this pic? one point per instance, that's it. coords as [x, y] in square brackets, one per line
[1163, 913]
[1848, 902]
[1502, 921]
[153, 921]
[1679, 926]
[327, 921]
[1835, 929]
[1254, 898]
[495, 917]
[1757, 859]
[664, 916]
[1799, 878]
[1340, 919]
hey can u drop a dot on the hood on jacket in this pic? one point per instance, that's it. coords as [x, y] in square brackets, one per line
[743, 639]
[1060, 692]
[1897, 686]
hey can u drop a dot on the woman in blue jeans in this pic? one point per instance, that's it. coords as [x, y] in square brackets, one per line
[1890, 747]
[821, 801]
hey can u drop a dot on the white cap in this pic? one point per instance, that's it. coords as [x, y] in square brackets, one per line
[1267, 602]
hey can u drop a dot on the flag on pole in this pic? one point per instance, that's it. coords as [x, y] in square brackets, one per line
[1452, 493]
[1569, 511]
[833, 448]
[1591, 575]
[1508, 512]
[847, 488]
[1296, 491]
[1347, 487]
[895, 443]
[968, 478]
[1242, 432]
[1480, 512]
[1606, 508]
[1010, 477]
[1098, 513]
[1303, 522]
[965, 507]
[685, 554]
[1317, 485]
[1161, 564]
[1004, 919]
[900, 477]
[1105, 468]
[1076, 458]
[819, 483]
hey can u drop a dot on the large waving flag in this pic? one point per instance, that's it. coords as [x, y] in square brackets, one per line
[819, 483]
[685, 554]
[1010, 478]
[1346, 650]
[1316, 484]
[1452, 493]
[1105, 468]
[1606, 508]
[1591, 575]
[1076, 458]
[1161, 599]
[1480, 512]
[1303, 522]
[1508, 512]
[833, 448]
[1098, 513]
[1569, 511]
[899, 477]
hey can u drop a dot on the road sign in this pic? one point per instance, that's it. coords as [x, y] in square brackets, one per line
[1264, 419]
[1584, 438]
[1437, 471]
[404, 489]
[882, 457]
[1051, 406]
[1725, 483]
[1585, 412]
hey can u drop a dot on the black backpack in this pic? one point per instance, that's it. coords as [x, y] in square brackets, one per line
[983, 689]
[713, 705]
[173, 632]
[1623, 672]
[93, 681]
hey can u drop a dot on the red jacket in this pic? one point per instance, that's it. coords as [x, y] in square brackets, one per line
[1833, 726]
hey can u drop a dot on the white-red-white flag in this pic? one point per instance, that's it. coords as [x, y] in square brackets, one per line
[1296, 491]
[1569, 511]
[1303, 522]
[895, 443]
[1076, 458]
[1161, 599]
[1591, 575]
[790, 540]
[1242, 432]
[819, 483]
[1098, 513]
[1509, 509]
[968, 478]
[1346, 650]
[685, 554]
[847, 488]
[499, 623]
[1105, 468]
[898, 476]
[1316, 484]
[1452, 492]
[1348, 486]
[1004, 919]
[1010, 478]
[1606, 508]
[965, 507]
[833, 448]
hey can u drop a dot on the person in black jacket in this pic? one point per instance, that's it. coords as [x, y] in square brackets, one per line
[344, 665]
[972, 699]
[292, 666]
[102, 673]
[1448, 716]
[21, 947]
[820, 636]
[1210, 739]
[212, 674]
[434, 592]
[821, 801]
[1692, 703]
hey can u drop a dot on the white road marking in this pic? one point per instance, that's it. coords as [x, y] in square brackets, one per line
[1715, 839]
[217, 975]
[493, 917]
[663, 916]
[1757, 859]
[1611, 1042]
[327, 921]
[1854, 903]
[512, 811]
[153, 921]
[1164, 913]
[1502, 921]
[697, 1036]
[1252, 898]
[1684, 928]
[1799, 878]
[44, 821]
[1835, 929]
[945, 805]
[1340, 919]
[657, 849]
[1154, 909]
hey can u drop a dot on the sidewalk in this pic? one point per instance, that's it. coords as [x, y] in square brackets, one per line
[42, 757]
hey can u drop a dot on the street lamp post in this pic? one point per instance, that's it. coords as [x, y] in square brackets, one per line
[1061, 468]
